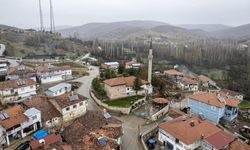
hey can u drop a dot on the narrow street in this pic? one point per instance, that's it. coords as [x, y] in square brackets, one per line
[130, 122]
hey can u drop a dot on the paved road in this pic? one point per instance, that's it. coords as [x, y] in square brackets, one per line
[130, 122]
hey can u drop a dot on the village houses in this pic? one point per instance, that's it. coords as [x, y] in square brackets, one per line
[21, 71]
[192, 132]
[214, 106]
[120, 87]
[188, 84]
[13, 90]
[48, 73]
[132, 64]
[50, 116]
[71, 105]
[173, 74]
[110, 65]
[58, 89]
[16, 122]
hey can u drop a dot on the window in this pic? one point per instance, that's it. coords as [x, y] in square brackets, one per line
[213, 108]
[74, 106]
[34, 117]
[31, 86]
[67, 109]
[81, 104]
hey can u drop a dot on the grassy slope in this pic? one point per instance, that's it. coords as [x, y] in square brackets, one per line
[15, 44]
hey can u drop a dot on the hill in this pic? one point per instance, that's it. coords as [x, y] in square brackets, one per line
[130, 30]
[21, 43]
[240, 33]
[205, 27]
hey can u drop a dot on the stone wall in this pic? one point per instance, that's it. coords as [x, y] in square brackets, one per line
[160, 113]
[123, 110]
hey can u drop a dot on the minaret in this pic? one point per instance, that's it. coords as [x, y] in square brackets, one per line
[150, 60]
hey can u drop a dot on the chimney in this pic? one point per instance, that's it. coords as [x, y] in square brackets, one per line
[72, 93]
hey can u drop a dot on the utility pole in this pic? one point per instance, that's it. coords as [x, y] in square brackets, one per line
[52, 21]
[41, 16]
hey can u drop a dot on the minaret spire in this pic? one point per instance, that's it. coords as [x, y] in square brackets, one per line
[150, 61]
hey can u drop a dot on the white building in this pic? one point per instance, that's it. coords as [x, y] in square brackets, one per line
[110, 65]
[188, 84]
[51, 117]
[123, 87]
[18, 123]
[3, 66]
[13, 90]
[58, 89]
[47, 73]
[132, 64]
[70, 105]
[21, 71]
[189, 132]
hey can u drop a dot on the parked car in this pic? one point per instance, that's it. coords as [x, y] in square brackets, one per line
[23, 146]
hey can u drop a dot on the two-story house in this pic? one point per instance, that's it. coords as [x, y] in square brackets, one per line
[173, 74]
[188, 84]
[132, 64]
[71, 105]
[58, 89]
[51, 117]
[18, 123]
[206, 81]
[238, 95]
[123, 87]
[190, 132]
[48, 73]
[3, 68]
[21, 71]
[13, 90]
[110, 65]
[214, 106]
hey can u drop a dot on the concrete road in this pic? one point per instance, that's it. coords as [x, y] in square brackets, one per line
[86, 85]
[130, 124]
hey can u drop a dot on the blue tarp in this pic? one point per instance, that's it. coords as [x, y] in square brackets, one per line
[40, 134]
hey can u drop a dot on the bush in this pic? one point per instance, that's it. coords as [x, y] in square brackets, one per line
[98, 87]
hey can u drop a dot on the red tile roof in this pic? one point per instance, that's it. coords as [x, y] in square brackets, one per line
[203, 78]
[213, 99]
[16, 117]
[14, 83]
[128, 81]
[186, 133]
[42, 103]
[172, 72]
[64, 100]
[186, 80]
[83, 133]
[20, 69]
[49, 68]
[238, 145]
[220, 139]
[49, 139]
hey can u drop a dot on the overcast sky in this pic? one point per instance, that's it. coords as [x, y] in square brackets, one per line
[25, 13]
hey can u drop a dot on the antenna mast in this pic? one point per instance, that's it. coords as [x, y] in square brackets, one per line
[41, 16]
[52, 21]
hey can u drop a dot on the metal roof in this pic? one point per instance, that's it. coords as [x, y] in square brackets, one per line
[59, 87]
[31, 112]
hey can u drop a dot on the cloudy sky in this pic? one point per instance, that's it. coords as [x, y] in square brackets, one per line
[25, 13]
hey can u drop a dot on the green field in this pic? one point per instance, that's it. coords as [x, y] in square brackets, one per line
[124, 102]
[215, 74]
